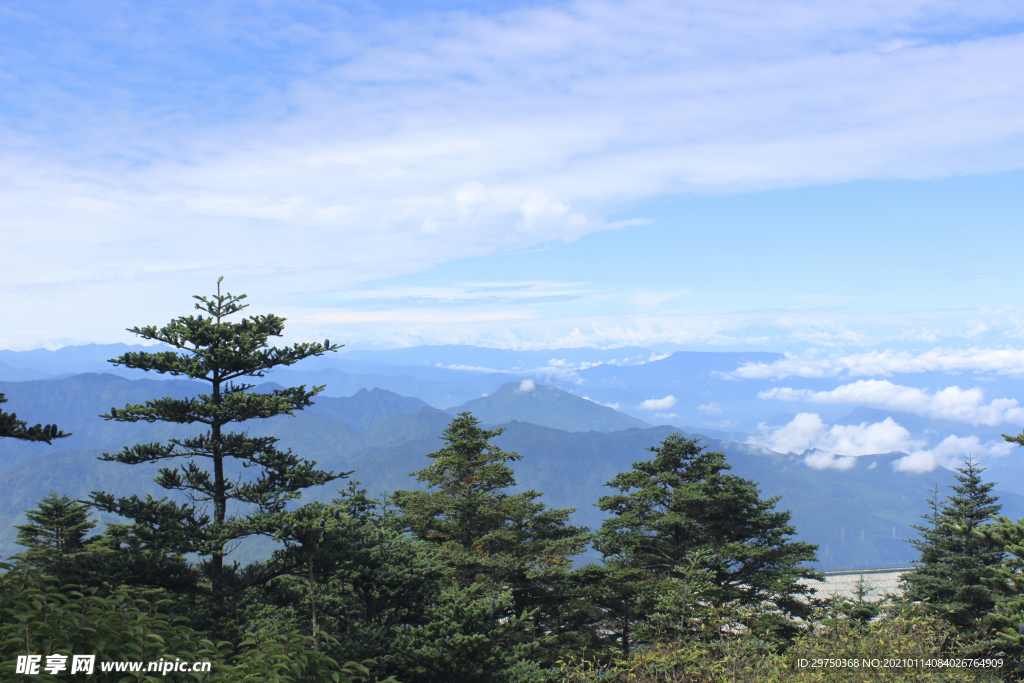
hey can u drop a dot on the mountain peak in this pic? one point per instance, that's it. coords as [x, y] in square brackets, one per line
[540, 404]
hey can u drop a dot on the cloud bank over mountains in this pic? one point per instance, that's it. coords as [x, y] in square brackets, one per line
[951, 403]
[1004, 361]
[838, 446]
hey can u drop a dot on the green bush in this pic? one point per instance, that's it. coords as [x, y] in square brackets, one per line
[728, 652]
[38, 618]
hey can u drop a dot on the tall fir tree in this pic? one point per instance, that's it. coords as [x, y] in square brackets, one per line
[57, 528]
[681, 514]
[219, 352]
[384, 596]
[953, 561]
[489, 537]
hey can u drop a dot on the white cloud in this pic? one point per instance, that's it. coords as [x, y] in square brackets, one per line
[667, 416]
[527, 385]
[883, 363]
[710, 408]
[613, 406]
[785, 394]
[838, 446]
[366, 148]
[951, 403]
[471, 368]
[951, 451]
[562, 373]
[807, 432]
[658, 403]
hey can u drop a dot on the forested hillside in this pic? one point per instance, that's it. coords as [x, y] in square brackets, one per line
[860, 517]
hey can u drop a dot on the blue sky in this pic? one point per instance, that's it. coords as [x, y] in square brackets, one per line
[804, 177]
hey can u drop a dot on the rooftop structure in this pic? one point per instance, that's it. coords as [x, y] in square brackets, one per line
[878, 582]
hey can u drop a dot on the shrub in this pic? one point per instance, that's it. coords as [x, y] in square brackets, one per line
[38, 618]
[737, 653]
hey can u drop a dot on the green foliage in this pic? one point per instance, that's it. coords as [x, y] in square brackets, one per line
[463, 638]
[485, 536]
[218, 352]
[955, 563]
[465, 581]
[680, 512]
[12, 427]
[57, 528]
[466, 510]
[860, 608]
[375, 595]
[40, 618]
[1005, 623]
[730, 650]
[678, 607]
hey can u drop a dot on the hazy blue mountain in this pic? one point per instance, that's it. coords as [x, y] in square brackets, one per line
[75, 403]
[11, 373]
[860, 517]
[73, 360]
[706, 397]
[918, 425]
[459, 387]
[676, 369]
[703, 396]
[379, 415]
[498, 359]
[546, 406]
[365, 407]
[437, 386]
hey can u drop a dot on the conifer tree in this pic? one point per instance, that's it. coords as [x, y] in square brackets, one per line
[1004, 625]
[12, 427]
[219, 352]
[383, 596]
[487, 536]
[953, 561]
[681, 513]
[57, 528]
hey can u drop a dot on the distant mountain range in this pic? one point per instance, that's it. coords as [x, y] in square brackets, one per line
[546, 406]
[705, 396]
[570, 446]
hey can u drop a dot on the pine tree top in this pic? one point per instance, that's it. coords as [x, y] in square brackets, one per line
[469, 463]
[215, 350]
[58, 524]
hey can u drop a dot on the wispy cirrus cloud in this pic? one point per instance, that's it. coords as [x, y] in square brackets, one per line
[310, 148]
